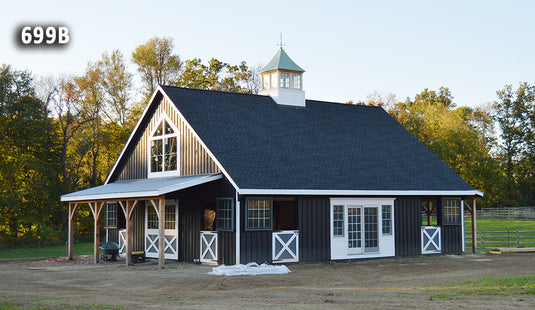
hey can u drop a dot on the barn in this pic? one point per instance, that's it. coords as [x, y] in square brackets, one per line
[230, 178]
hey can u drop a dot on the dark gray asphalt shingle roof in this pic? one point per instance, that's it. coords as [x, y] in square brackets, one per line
[323, 146]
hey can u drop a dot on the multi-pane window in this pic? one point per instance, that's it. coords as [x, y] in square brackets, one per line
[224, 214]
[452, 211]
[111, 215]
[354, 228]
[371, 234]
[265, 81]
[285, 80]
[386, 212]
[259, 214]
[338, 221]
[296, 78]
[152, 218]
[164, 148]
[170, 217]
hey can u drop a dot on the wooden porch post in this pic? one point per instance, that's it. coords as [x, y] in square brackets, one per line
[474, 226]
[429, 213]
[129, 214]
[161, 232]
[70, 240]
[96, 209]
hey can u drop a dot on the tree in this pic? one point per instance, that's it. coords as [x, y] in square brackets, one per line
[157, 64]
[28, 171]
[381, 98]
[219, 76]
[117, 82]
[456, 136]
[515, 115]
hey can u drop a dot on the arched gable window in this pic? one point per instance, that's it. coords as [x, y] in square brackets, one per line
[163, 151]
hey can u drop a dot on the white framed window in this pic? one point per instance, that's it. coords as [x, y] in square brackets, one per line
[285, 80]
[259, 214]
[225, 214]
[338, 221]
[386, 212]
[265, 81]
[451, 211]
[296, 81]
[111, 215]
[274, 76]
[164, 149]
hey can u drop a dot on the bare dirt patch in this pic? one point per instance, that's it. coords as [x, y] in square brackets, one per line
[418, 282]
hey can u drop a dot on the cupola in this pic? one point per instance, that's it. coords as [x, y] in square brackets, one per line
[282, 79]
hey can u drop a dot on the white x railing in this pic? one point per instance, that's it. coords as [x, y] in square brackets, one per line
[286, 246]
[122, 242]
[431, 240]
[209, 247]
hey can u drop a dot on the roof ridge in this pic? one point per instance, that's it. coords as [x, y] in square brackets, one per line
[211, 90]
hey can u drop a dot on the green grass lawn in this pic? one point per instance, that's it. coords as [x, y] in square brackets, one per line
[500, 225]
[45, 252]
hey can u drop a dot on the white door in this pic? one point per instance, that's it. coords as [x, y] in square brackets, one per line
[170, 232]
[362, 230]
[354, 230]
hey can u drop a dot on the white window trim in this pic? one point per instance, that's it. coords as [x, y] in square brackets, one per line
[171, 173]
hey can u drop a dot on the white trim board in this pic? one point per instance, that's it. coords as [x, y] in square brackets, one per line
[358, 192]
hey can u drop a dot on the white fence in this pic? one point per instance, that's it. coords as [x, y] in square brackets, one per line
[507, 213]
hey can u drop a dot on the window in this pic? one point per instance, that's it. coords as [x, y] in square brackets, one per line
[170, 217]
[338, 221]
[225, 214]
[259, 213]
[296, 78]
[285, 80]
[111, 215]
[387, 219]
[265, 81]
[164, 148]
[452, 211]
[152, 218]
[371, 238]
[274, 78]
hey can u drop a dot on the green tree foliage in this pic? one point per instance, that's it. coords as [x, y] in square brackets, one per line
[217, 75]
[157, 64]
[461, 136]
[28, 170]
[515, 116]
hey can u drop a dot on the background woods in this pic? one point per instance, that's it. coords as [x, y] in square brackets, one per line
[64, 134]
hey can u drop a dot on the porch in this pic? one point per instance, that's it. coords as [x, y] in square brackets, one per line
[129, 195]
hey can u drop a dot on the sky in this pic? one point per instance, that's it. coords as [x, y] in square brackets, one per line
[349, 49]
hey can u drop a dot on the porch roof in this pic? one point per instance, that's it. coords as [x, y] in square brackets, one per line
[140, 188]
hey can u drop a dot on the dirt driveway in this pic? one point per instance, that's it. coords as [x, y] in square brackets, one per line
[398, 283]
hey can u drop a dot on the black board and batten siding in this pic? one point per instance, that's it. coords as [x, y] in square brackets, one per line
[192, 203]
[314, 234]
[313, 214]
[408, 223]
[193, 158]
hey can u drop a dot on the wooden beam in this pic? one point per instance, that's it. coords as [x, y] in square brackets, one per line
[161, 232]
[96, 209]
[70, 240]
[129, 214]
[474, 225]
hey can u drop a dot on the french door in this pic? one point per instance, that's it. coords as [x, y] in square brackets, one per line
[362, 230]
[170, 232]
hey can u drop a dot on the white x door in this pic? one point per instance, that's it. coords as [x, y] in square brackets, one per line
[170, 232]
